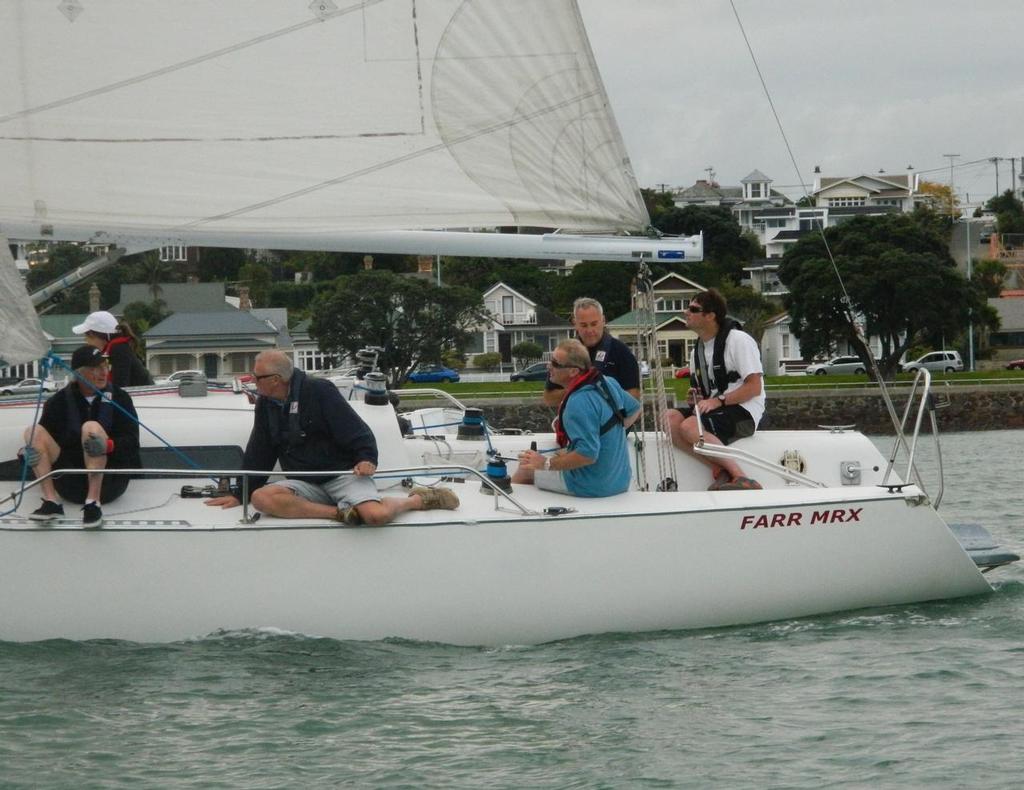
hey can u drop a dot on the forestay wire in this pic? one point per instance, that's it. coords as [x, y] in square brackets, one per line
[846, 301]
[647, 348]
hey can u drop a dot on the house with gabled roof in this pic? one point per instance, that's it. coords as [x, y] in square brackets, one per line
[671, 294]
[516, 319]
[871, 193]
[221, 343]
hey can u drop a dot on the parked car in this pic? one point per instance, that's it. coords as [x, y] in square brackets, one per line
[28, 387]
[836, 366]
[1017, 364]
[429, 374]
[944, 361]
[538, 371]
[178, 375]
[683, 373]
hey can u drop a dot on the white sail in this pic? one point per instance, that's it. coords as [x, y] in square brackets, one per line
[242, 119]
[22, 339]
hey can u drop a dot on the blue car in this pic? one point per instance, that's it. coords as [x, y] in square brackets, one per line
[430, 374]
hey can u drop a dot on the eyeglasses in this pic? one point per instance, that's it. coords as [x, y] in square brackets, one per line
[560, 365]
[692, 308]
[260, 376]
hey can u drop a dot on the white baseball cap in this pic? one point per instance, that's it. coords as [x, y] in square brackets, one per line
[100, 321]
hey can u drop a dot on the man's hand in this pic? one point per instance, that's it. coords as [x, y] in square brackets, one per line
[708, 404]
[31, 455]
[365, 468]
[531, 459]
[94, 446]
[224, 502]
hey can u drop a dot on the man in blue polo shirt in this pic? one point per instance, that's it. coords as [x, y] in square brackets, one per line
[590, 429]
[608, 354]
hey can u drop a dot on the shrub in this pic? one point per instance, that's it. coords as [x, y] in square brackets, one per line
[489, 361]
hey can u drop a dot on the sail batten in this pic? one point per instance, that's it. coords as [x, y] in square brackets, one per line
[260, 117]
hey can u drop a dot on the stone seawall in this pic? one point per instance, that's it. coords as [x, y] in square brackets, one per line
[970, 408]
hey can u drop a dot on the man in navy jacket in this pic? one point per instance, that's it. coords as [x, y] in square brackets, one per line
[307, 426]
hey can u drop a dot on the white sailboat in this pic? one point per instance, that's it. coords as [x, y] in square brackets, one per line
[329, 126]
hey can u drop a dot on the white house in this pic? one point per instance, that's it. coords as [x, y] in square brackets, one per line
[516, 319]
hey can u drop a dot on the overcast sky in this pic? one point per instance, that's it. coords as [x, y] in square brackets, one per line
[859, 85]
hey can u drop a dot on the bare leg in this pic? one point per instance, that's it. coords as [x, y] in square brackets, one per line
[685, 435]
[93, 428]
[282, 502]
[376, 514]
[48, 452]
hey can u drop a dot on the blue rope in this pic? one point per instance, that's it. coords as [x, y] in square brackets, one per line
[128, 414]
[45, 364]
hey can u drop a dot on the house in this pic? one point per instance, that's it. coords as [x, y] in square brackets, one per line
[176, 297]
[671, 294]
[516, 319]
[1008, 342]
[307, 355]
[221, 343]
[780, 349]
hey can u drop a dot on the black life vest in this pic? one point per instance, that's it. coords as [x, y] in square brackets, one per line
[702, 377]
[104, 412]
[594, 377]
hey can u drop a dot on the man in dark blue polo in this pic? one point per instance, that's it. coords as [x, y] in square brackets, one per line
[608, 355]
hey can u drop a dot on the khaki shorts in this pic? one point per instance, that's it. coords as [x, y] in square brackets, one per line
[345, 491]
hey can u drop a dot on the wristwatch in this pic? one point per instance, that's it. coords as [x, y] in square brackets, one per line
[722, 399]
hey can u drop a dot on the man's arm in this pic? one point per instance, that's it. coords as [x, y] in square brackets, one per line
[749, 389]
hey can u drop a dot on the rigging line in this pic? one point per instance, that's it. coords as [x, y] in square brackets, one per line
[170, 69]
[847, 302]
[398, 160]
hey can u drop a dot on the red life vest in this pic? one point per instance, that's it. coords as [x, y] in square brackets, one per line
[591, 376]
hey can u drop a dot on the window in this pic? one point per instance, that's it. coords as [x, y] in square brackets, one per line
[308, 359]
[669, 305]
[757, 190]
[840, 202]
[173, 253]
[784, 339]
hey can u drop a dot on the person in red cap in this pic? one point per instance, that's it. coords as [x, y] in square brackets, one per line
[117, 342]
[82, 428]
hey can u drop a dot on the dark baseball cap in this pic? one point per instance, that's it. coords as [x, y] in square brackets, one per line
[87, 357]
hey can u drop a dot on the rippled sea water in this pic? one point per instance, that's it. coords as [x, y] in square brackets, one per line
[911, 696]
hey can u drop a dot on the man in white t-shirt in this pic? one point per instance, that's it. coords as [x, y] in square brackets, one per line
[727, 390]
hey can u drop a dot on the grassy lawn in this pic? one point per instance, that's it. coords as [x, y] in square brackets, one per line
[681, 386]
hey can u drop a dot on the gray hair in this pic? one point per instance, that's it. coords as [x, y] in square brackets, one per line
[277, 362]
[576, 354]
[585, 303]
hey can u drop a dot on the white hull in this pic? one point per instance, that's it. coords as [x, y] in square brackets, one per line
[638, 561]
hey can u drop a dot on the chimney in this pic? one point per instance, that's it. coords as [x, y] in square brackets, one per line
[367, 262]
[94, 298]
[244, 302]
[425, 264]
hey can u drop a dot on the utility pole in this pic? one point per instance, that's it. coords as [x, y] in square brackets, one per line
[951, 157]
[995, 160]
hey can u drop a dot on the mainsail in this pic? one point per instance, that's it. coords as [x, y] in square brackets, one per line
[246, 120]
[22, 339]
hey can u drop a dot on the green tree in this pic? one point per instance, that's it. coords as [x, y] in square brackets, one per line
[902, 283]
[989, 275]
[610, 282]
[1009, 212]
[751, 308]
[526, 352]
[257, 278]
[726, 246]
[412, 320]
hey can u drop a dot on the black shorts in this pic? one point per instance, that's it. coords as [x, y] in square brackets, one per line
[74, 488]
[728, 423]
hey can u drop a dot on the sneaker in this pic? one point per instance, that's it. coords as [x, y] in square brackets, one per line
[92, 516]
[47, 511]
[740, 484]
[436, 498]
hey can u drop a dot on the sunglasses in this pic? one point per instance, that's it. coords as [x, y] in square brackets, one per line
[556, 364]
[692, 308]
[262, 376]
